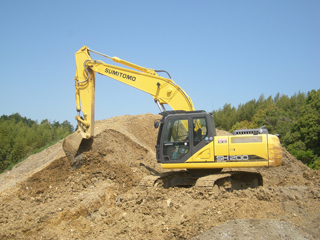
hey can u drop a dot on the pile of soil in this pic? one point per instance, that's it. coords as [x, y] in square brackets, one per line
[47, 197]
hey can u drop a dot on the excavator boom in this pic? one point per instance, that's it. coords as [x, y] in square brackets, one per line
[163, 90]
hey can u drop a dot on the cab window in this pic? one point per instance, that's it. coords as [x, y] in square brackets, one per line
[200, 130]
[177, 130]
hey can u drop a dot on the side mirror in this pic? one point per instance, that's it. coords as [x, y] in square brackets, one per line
[156, 124]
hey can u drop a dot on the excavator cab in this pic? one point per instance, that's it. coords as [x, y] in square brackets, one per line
[182, 134]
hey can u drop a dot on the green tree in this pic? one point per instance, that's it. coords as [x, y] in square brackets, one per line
[20, 137]
[225, 118]
[247, 111]
[303, 139]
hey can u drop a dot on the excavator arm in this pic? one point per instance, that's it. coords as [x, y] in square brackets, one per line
[163, 90]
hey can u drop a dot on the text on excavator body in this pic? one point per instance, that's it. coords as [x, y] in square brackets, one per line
[120, 74]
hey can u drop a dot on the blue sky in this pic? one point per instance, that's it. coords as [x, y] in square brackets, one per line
[218, 51]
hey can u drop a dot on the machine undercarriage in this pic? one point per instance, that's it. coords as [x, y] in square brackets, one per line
[229, 180]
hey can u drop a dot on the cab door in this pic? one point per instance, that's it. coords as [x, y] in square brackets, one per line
[175, 140]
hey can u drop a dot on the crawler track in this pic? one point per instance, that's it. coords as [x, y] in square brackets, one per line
[227, 180]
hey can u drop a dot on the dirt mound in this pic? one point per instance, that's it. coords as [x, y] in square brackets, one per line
[47, 197]
[253, 229]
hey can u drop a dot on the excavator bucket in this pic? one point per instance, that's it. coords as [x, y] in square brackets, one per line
[71, 144]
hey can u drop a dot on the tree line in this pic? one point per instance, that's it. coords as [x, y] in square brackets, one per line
[296, 119]
[21, 137]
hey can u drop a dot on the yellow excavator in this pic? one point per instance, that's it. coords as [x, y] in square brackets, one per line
[186, 138]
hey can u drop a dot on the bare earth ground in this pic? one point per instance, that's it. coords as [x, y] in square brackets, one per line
[44, 198]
